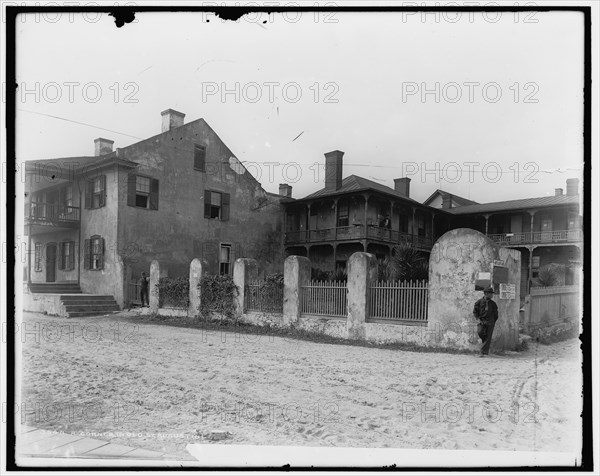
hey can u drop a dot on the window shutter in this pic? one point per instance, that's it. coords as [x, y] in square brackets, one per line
[61, 256]
[199, 158]
[89, 185]
[101, 257]
[225, 206]
[207, 204]
[103, 188]
[153, 194]
[131, 190]
[87, 254]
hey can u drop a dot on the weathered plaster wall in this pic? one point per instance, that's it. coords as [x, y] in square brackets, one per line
[178, 232]
[56, 238]
[456, 259]
[103, 221]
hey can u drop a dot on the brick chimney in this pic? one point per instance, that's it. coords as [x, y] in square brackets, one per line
[333, 170]
[285, 190]
[103, 146]
[558, 192]
[446, 201]
[572, 186]
[402, 186]
[171, 119]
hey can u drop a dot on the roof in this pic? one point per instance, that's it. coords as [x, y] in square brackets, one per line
[538, 202]
[460, 201]
[354, 183]
[76, 164]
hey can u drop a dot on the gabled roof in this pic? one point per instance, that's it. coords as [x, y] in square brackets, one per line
[523, 203]
[460, 201]
[354, 183]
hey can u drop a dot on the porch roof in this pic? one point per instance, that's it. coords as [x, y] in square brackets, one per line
[516, 205]
[75, 165]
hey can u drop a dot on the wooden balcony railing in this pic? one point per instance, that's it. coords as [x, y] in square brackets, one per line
[52, 214]
[545, 237]
[356, 232]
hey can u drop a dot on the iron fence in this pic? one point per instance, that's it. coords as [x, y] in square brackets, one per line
[395, 300]
[324, 298]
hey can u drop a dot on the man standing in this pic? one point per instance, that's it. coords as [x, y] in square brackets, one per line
[486, 311]
[144, 282]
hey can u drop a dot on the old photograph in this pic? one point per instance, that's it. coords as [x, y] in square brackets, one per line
[304, 234]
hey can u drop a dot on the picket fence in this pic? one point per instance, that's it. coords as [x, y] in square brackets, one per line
[406, 300]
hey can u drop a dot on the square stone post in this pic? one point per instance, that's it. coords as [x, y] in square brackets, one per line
[296, 273]
[245, 270]
[197, 270]
[362, 274]
[152, 289]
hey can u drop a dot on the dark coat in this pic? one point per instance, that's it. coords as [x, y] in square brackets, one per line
[486, 310]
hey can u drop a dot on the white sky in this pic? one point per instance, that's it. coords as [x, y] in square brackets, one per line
[370, 58]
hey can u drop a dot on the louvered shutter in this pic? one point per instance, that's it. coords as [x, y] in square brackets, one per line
[89, 185]
[206, 204]
[61, 255]
[101, 254]
[131, 190]
[224, 206]
[103, 188]
[153, 194]
[87, 254]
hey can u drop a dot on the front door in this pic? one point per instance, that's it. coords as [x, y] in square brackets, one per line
[51, 263]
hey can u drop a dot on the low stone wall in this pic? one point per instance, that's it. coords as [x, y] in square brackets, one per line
[330, 326]
[392, 333]
[44, 303]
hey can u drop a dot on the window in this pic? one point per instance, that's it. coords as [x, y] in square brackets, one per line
[403, 223]
[535, 262]
[142, 192]
[216, 205]
[66, 256]
[95, 193]
[343, 215]
[546, 224]
[94, 253]
[67, 196]
[420, 225]
[200, 158]
[224, 259]
[38, 257]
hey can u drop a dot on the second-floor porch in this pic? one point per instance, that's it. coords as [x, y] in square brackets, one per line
[538, 237]
[357, 232]
[41, 216]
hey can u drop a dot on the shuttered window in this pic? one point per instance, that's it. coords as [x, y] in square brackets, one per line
[95, 192]
[142, 192]
[225, 260]
[216, 205]
[93, 258]
[200, 158]
[66, 256]
[38, 257]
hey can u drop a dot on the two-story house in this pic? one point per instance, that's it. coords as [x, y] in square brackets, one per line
[545, 229]
[94, 223]
[356, 214]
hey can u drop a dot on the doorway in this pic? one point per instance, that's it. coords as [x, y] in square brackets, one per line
[51, 263]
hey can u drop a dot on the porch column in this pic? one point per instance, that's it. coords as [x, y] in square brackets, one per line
[308, 222]
[530, 270]
[487, 217]
[335, 221]
[432, 227]
[366, 197]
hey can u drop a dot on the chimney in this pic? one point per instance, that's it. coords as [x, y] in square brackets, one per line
[333, 170]
[446, 201]
[402, 186]
[558, 192]
[285, 190]
[572, 187]
[103, 146]
[171, 119]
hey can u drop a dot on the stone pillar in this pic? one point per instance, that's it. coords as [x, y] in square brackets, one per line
[362, 273]
[197, 270]
[153, 291]
[296, 273]
[244, 271]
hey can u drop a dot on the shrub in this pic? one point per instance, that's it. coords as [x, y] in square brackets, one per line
[218, 296]
[173, 292]
[550, 275]
[406, 264]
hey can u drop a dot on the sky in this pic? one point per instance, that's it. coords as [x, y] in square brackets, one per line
[490, 106]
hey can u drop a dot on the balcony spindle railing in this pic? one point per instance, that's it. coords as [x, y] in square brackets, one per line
[52, 213]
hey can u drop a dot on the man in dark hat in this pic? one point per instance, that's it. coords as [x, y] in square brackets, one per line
[486, 311]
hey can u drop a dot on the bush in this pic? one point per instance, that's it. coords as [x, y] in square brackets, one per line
[173, 292]
[218, 296]
[550, 275]
[406, 264]
[340, 274]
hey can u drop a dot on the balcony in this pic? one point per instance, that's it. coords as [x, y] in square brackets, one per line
[538, 237]
[357, 232]
[51, 215]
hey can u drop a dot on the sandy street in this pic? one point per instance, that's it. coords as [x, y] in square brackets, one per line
[160, 387]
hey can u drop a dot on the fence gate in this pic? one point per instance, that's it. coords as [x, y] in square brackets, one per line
[324, 298]
[406, 301]
[133, 293]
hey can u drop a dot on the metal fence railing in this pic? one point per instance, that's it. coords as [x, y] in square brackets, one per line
[407, 300]
[324, 298]
[263, 297]
[133, 293]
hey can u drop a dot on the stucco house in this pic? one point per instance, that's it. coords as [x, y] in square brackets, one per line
[94, 223]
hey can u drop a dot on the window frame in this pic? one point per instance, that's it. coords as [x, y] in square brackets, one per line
[225, 246]
[67, 262]
[91, 194]
[200, 157]
[343, 218]
[224, 208]
[152, 201]
[37, 265]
